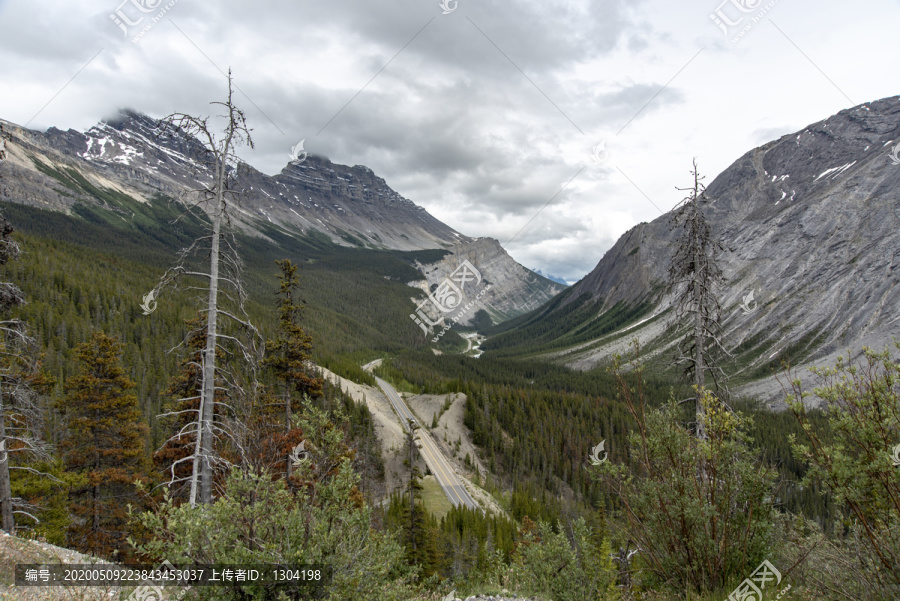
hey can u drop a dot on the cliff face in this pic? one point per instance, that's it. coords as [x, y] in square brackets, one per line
[513, 289]
[125, 160]
[811, 222]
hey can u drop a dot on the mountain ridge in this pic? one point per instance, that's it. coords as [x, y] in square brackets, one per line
[124, 160]
[811, 224]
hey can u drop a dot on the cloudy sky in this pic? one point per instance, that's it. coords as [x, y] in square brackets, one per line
[553, 126]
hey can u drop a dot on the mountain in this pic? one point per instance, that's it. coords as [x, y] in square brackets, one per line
[550, 277]
[514, 289]
[122, 166]
[811, 224]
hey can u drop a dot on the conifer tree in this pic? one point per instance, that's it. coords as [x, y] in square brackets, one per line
[223, 283]
[173, 458]
[694, 275]
[105, 442]
[289, 353]
[415, 524]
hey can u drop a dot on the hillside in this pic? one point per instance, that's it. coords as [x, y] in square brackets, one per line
[811, 226]
[124, 175]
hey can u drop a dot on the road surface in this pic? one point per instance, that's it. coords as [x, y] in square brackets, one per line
[435, 460]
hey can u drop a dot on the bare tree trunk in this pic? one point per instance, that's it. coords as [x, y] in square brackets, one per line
[6, 509]
[195, 470]
[209, 362]
[287, 426]
[698, 317]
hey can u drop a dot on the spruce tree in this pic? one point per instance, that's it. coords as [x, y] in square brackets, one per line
[181, 412]
[105, 443]
[416, 531]
[288, 354]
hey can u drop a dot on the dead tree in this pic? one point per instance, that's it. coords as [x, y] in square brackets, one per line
[4, 136]
[622, 559]
[21, 416]
[694, 277]
[224, 282]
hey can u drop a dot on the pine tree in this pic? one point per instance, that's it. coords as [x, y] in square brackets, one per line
[105, 442]
[173, 458]
[415, 524]
[289, 353]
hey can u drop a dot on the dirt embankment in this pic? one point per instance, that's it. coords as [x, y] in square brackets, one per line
[387, 427]
[450, 429]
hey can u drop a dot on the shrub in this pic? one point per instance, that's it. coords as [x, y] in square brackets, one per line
[699, 510]
[257, 520]
[852, 460]
[568, 565]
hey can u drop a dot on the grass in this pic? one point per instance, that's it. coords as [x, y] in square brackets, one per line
[434, 498]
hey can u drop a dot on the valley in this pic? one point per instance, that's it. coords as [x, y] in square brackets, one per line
[377, 316]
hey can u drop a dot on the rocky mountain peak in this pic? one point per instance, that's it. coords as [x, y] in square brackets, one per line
[811, 222]
[129, 156]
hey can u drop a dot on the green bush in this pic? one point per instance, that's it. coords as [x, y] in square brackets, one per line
[699, 510]
[852, 460]
[568, 565]
[257, 520]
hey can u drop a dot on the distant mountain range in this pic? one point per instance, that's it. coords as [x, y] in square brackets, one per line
[122, 161]
[811, 222]
[554, 278]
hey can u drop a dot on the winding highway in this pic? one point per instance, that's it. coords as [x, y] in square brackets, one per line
[437, 463]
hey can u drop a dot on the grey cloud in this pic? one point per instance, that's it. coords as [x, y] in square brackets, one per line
[450, 123]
